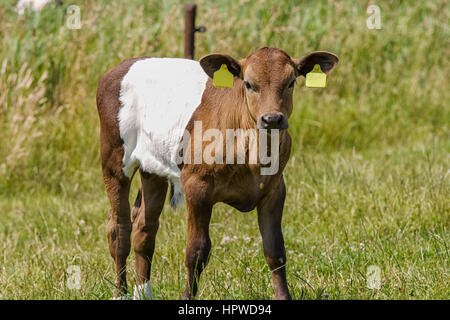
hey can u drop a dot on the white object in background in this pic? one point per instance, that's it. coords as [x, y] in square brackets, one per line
[35, 5]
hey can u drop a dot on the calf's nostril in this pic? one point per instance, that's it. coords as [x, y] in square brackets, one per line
[280, 120]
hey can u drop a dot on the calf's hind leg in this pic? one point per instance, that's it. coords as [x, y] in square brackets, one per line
[145, 226]
[119, 222]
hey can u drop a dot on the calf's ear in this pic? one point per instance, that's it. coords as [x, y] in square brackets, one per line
[212, 62]
[325, 59]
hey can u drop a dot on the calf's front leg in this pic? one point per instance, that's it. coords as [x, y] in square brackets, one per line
[270, 211]
[198, 245]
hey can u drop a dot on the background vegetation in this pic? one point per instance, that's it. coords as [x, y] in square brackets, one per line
[368, 180]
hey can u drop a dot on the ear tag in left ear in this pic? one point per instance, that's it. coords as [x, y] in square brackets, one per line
[316, 78]
[223, 78]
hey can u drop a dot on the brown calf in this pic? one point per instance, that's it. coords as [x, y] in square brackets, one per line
[141, 104]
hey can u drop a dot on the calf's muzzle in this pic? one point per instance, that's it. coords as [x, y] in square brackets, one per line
[273, 121]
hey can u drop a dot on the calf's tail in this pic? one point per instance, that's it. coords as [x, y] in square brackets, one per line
[176, 193]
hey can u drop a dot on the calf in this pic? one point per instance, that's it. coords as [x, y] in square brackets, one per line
[147, 108]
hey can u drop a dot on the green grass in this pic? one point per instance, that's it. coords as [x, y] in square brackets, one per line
[368, 180]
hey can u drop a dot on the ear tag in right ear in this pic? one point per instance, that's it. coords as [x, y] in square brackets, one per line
[223, 78]
[316, 78]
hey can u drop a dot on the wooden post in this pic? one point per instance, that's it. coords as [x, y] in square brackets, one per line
[190, 30]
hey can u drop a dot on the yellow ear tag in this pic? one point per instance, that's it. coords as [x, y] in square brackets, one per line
[316, 78]
[223, 78]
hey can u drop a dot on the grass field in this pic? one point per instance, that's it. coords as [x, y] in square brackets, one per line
[368, 181]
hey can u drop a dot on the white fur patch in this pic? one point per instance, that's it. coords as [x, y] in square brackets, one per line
[143, 291]
[158, 97]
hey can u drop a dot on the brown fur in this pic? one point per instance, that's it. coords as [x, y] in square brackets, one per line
[270, 72]
[116, 183]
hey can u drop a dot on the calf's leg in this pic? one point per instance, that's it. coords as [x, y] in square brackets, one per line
[270, 212]
[119, 223]
[145, 226]
[136, 205]
[198, 245]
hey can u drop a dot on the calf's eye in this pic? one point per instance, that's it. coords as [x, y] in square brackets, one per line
[248, 85]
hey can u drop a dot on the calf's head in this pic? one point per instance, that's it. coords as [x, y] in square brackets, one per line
[267, 77]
